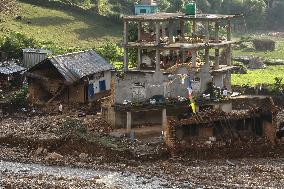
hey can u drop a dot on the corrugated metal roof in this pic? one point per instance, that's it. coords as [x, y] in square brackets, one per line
[39, 51]
[10, 68]
[77, 65]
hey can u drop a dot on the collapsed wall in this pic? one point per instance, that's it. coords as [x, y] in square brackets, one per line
[251, 124]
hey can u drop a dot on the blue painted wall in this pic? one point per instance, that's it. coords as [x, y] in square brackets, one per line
[145, 9]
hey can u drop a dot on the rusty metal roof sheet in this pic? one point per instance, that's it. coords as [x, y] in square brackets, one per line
[7, 68]
[75, 66]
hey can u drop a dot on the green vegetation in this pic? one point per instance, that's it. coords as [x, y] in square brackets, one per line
[62, 28]
[19, 98]
[277, 54]
[260, 76]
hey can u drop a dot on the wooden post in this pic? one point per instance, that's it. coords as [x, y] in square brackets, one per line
[158, 41]
[171, 32]
[139, 58]
[158, 60]
[139, 31]
[125, 40]
[217, 51]
[128, 122]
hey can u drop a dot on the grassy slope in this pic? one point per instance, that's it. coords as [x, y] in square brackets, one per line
[277, 54]
[63, 27]
[254, 77]
[265, 76]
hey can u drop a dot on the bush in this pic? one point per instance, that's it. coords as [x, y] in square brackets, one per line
[264, 44]
[110, 51]
[13, 44]
[19, 98]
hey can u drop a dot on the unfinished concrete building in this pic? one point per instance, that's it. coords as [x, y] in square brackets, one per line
[173, 53]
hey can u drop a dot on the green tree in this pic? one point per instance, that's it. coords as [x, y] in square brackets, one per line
[110, 51]
[13, 44]
[163, 5]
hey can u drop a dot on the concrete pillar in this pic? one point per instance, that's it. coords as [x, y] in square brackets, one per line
[125, 41]
[194, 58]
[207, 33]
[158, 60]
[183, 56]
[205, 75]
[164, 30]
[229, 38]
[229, 80]
[171, 31]
[164, 120]
[158, 41]
[194, 28]
[126, 59]
[139, 31]
[128, 122]
[139, 56]
[182, 30]
[217, 51]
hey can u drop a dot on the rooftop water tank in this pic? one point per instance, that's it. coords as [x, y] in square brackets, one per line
[190, 8]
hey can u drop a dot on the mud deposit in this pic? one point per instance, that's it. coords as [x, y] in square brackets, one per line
[32, 175]
[36, 153]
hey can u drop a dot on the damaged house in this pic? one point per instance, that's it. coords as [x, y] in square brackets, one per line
[79, 77]
[11, 74]
[172, 61]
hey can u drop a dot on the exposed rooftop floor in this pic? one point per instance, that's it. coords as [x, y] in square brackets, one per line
[174, 16]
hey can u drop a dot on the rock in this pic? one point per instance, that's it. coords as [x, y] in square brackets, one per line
[53, 157]
[83, 156]
[39, 151]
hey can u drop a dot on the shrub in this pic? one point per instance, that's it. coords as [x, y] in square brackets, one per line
[19, 98]
[264, 44]
[13, 44]
[110, 51]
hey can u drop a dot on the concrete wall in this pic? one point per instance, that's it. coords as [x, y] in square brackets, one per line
[106, 77]
[139, 87]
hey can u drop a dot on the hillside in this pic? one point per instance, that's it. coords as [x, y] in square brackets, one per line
[62, 27]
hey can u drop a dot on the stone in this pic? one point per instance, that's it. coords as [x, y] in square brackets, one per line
[83, 156]
[53, 157]
[39, 151]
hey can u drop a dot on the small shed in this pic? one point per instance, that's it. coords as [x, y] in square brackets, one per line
[31, 57]
[11, 74]
[78, 77]
[146, 7]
